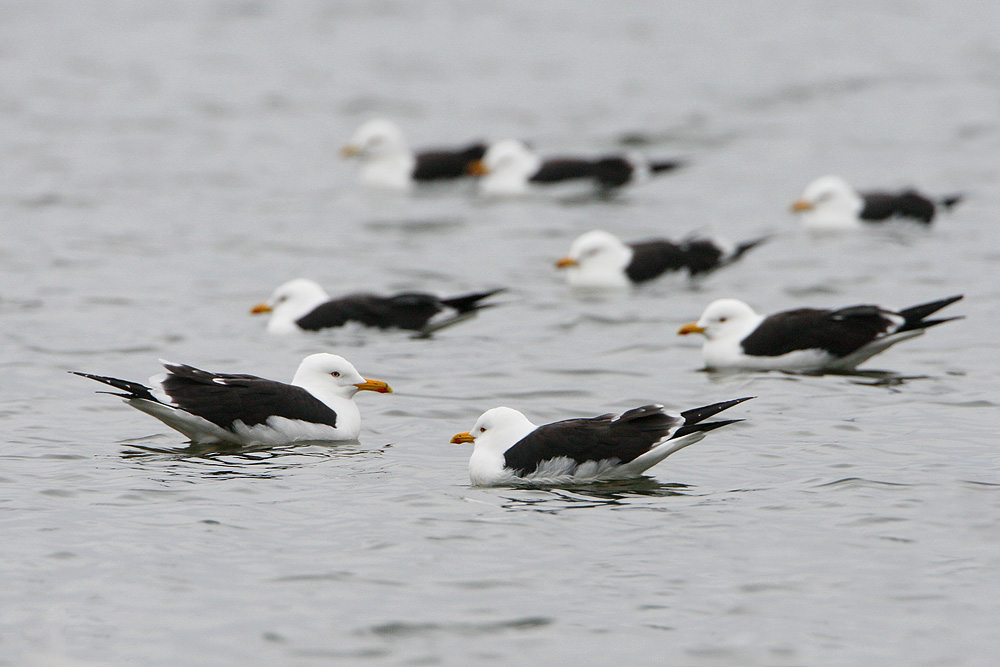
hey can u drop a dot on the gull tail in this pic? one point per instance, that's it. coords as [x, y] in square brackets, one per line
[132, 389]
[745, 246]
[465, 306]
[950, 200]
[914, 316]
[694, 419]
[466, 303]
[660, 166]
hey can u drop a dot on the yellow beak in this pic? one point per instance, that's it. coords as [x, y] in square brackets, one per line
[801, 205]
[566, 262]
[350, 150]
[260, 308]
[374, 385]
[477, 168]
[461, 438]
[690, 329]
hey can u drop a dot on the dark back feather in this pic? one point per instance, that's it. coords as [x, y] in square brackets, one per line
[222, 398]
[436, 165]
[702, 256]
[563, 169]
[408, 310]
[885, 205]
[613, 171]
[839, 332]
[634, 433]
[653, 258]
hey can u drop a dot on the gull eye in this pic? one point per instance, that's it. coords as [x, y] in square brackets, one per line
[482, 429]
[335, 374]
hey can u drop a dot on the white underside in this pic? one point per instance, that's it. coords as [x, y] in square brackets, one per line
[390, 173]
[830, 222]
[277, 430]
[727, 355]
[597, 281]
[562, 470]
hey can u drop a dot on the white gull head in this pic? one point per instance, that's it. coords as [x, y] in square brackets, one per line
[508, 164]
[496, 431]
[386, 160]
[334, 380]
[289, 302]
[829, 204]
[724, 323]
[597, 260]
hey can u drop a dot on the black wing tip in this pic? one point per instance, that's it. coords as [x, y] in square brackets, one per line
[752, 243]
[695, 415]
[471, 302]
[914, 317]
[132, 389]
[950, 200]
[711, 426]
[99, 378]
[922, 310]
[661, 166]
[949, 300]
[703, 427]
[926, 324]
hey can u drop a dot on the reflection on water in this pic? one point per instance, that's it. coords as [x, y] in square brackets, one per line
[875, 378]
[604, 494]
[401, 629]
[257, 461]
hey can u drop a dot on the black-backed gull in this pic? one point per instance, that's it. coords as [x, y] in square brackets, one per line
[511, 451]
[829, 203]
[387, 161]
[600, 260]
[302, 305]
[219, 408]
[805, 339]
[510, 168]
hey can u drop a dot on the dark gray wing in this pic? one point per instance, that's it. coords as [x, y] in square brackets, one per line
[886, 205]
[702, 256]
[839, 332]
[653, 258]
[223, 399]
[557, 170]
[613, 171]
[436, 165]
[408, 310]
[593, 439]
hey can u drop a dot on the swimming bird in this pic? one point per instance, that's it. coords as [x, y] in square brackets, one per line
[829, 203]
[510, 450]
[387, 161]
[806, 339]
[217, 408]
[600, 260]
[509, 167]
[302, 305]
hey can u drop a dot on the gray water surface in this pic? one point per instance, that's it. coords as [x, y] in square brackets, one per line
[166, 165]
